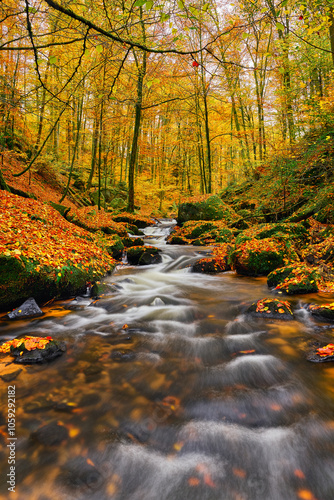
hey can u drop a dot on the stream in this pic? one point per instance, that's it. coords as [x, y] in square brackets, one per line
[168, 391]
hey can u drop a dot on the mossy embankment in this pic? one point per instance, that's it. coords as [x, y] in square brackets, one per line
[281, 216]
[45, 256]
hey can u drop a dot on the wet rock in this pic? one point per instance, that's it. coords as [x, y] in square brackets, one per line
[92, 372]
[210, 266]
[294, 279]
[323, 312]
[120, 339]
[271, 308]
[52, 434]
[78, 473]
[322, 354]
[144, 255]
[52, 350]
[9, 373]
[90, 399]
[40, 404]
[123, 356]
[157, 302]
[29, 309]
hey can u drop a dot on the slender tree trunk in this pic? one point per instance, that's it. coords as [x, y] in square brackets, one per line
[136, 131]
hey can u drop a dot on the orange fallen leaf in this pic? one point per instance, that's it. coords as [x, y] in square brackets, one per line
[193, 481]
[305, 495]
[239, 472]
[299, 473]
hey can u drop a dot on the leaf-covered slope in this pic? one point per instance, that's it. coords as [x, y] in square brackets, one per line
[44, 255]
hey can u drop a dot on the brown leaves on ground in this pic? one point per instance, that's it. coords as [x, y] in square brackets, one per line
[32, 230]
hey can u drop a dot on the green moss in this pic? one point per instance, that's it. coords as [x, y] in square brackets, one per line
[115, 247]
[257, 257]
[210, 209]
[294, 279]
[20, 280]
[143, 255]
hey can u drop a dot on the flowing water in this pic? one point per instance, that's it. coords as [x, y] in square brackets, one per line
[168, 391]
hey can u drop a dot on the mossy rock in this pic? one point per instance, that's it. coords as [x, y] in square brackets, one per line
[213, 208]
[199, 243]
[210, 265]
[324, 312]
[201, 233]
[53, 350]
[115, 247]
[20, 280]
[132, 242]
[177, 240]
[294, 279]
[199, 230]
[132, 229]
[280, 231]
[144, 255]
[269, 308]
[258, 257]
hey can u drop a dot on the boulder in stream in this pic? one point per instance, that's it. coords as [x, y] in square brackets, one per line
[323, 312]
[31, 350]
[322, 354]
[293, 279]
[258, 257]
[210, 265]
[29, 309]
[271, 309]
[144, 255]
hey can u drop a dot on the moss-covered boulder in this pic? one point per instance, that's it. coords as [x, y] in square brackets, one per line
[294, 279]
[293, 232]
[44, 256]
[323, 312]
[144, 255]
[175, 239]
[322, 252]
[205, 208]
[201, 233]
[132, 242]
[32, 350]
[271, 308]
[210, 265]
[258, 257]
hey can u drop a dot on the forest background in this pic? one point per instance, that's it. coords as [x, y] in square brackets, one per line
[144, 103]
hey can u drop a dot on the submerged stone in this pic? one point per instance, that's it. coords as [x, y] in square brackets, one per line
[52, 434]
[122, 356]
